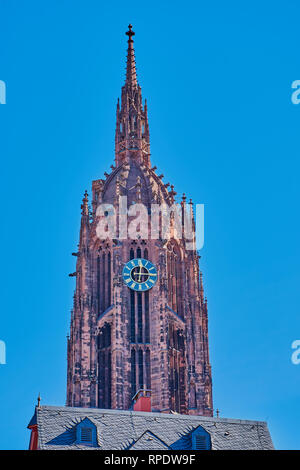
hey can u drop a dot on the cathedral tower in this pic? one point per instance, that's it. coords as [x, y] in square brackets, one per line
[139, 319]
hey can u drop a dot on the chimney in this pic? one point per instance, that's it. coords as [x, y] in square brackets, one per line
[142, 400]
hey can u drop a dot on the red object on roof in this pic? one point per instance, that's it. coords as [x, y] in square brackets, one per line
[142, 400]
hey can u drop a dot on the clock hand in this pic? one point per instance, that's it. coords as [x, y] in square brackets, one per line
[144, 274]
[140, 273]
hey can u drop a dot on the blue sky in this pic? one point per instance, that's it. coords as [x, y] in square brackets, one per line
[217, 77]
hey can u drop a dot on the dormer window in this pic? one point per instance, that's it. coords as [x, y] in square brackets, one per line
[86, 433]
[201, 439]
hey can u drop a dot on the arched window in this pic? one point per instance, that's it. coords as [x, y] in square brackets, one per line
[98, 287]
[176, 368]
[140, 332]
[133, 373]
[103, 279]
[175, 294]
[108, 280]
[132, 316]
[147, 319]
[141, 369]
[148, 369]
[104, 366]
[140, 317]
[103, 287]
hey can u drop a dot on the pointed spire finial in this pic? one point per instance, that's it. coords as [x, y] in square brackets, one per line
[39, 400]
[130, 33]
[172, 194]
[130, 68]
[85, 204]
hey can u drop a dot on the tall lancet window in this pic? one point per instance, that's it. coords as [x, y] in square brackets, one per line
[141, 369]
[98, 285]
[174, 267]
[148, 369]
[132, 316]
[140, 317]
[103, 279]
[140, 332]
[176, 369]
[103, 284]
[108, 279]
[104, 366]
[147, 319]
[133, 372]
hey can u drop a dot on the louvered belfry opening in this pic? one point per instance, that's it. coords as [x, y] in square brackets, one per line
[140, 333]
[104, 366]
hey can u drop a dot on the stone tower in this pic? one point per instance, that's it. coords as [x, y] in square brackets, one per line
[122, 340]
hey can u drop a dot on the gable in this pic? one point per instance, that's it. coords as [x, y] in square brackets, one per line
[201, 439]
[149, 441]
[86, 433]
[193, 439]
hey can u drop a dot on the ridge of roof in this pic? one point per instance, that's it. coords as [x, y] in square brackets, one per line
[100, 411]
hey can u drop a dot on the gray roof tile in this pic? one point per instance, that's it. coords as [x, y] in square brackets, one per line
[120, 429]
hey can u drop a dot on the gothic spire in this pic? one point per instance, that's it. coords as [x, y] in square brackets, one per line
[132, 139]
[131, 79]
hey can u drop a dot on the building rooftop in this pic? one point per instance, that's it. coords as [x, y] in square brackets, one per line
[123, 430]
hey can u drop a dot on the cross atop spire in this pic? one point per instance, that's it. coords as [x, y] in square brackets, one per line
[130, 33]
[130, 67]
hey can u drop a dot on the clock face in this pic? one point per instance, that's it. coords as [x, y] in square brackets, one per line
[139, 274]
